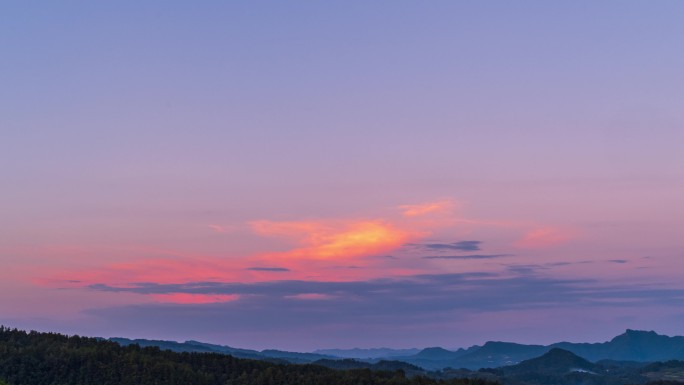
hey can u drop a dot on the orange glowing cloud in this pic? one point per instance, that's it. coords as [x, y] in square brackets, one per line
[346, 240]
[545, 237]
[360, 239]
[442, 206]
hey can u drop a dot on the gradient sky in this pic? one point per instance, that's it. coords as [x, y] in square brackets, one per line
[301, 175]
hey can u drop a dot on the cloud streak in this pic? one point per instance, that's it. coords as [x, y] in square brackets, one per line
[466, 257]
[273, 269]
[455, 246]
[545, 237]
[437, 207]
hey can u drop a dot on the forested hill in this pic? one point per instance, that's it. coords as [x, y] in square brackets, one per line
[53, 359]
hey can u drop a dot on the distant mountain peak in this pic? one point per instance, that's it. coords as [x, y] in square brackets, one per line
[435, 352]
[434, 349]
[556, 353]
[641, 332]
[498, 344]
[638, 335]
[558, 356]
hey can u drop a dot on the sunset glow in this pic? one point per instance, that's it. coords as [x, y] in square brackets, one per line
[305, 175]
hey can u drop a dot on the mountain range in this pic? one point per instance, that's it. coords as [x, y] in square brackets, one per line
[633, 345]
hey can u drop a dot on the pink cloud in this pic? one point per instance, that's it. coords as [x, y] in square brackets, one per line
[219, 229]
[436, 207]
[545, 237]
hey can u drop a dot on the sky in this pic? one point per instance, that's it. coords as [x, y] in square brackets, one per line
[302, 175]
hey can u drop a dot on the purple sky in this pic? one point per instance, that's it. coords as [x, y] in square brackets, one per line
[342, 174]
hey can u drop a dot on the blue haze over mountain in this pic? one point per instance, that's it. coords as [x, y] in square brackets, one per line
[633, 345]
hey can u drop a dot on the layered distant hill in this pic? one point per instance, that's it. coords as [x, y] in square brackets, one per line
[368, 353]
[201, 347]
[633, 345]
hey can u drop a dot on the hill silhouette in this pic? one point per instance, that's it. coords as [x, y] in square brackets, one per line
[632, 346]
[556, 361]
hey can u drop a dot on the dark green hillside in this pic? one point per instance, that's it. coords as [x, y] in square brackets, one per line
[383, 365]
[664, 371]
[555, 361]
[561, 367]
[493, 354]
[54, 359]
[558, 367]
[633, 345]
[190, 347]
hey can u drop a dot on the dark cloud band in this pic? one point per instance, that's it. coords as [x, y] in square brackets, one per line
[472, 256]
[274, 269]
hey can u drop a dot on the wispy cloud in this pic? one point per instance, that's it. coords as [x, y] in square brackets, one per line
[220, 229]
[188, 298]
[471, 256]
[392, 257]
[530, 269]
[545, 237]
[441, 206]
[273, 269]
[455, 246]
